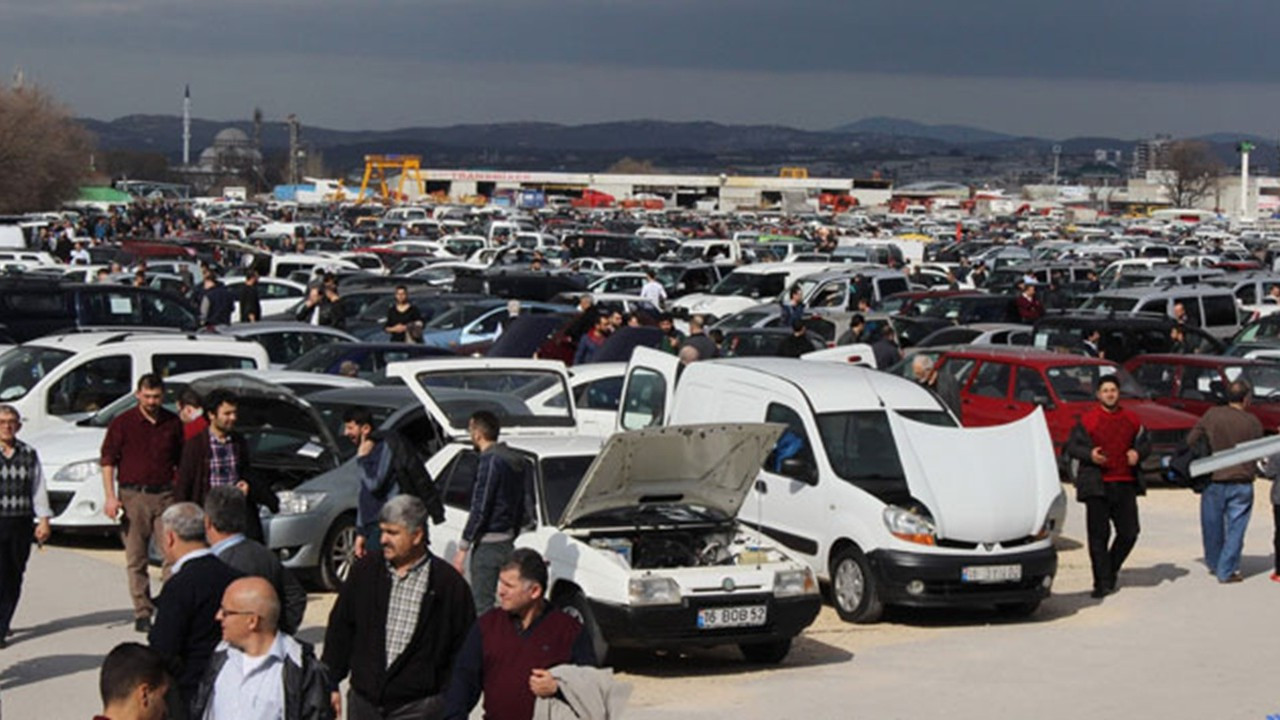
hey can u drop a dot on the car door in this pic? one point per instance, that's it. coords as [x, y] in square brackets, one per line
[1029, 392]
[648, 389]
[985, 401]
[89, 386]
[781, 504]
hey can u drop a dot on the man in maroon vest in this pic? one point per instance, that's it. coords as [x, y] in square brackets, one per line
[512, 647]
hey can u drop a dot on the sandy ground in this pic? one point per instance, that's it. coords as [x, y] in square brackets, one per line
[1171, 644]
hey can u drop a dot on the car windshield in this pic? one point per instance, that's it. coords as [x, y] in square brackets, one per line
[1077, 383]
[458, 316]
[1264, 379]
[862, 451]
[560, 479]
[460, 393]
[946, 307]
[1111, 304]
[757, 285]
[22, 367]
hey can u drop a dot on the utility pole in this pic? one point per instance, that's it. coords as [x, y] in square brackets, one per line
[295, 132]
[186, 126]
[1057, 155]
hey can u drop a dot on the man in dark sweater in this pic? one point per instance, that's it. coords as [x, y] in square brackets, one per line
[398, 623]
[511, 649]
[1108, 443]
[496, 513]
[1225, 505]
[186, 630]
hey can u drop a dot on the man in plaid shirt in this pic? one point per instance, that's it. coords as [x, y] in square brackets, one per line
[398, 623]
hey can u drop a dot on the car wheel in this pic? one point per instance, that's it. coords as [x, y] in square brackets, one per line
[766, 653]
[575, 606]
[853, 587]
[1019, 610]
[338, 553]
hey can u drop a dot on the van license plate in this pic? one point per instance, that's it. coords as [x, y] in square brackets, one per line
[738, 616]
[991, 573]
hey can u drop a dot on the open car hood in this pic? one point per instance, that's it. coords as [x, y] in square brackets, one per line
[265, 405]
[990, 484]
[710, 466]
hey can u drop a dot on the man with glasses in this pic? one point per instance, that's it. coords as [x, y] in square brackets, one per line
[22, 497]
[258, 672]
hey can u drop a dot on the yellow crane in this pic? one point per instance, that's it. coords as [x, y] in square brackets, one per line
[375, 169]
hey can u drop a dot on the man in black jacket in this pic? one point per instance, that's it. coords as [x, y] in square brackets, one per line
[224, 525]
[398, 623]
[185, 630]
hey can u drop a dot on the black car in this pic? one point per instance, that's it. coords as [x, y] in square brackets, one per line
[35, 307]
[1123, 335]
[955, 310]
[762, 342]
[370, 359]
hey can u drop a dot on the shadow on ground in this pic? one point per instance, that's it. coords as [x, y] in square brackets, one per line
[35, 670]
[101, 617]
[722, 660]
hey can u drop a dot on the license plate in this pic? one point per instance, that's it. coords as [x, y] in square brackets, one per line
[991, 573]
[738, 616]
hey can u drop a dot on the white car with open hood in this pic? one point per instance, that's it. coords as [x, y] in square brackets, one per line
[873, 483]
[640, 534]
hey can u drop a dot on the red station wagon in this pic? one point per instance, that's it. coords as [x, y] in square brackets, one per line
[1195, 383]
[999, 385]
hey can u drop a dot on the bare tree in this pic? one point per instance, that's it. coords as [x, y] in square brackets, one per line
[1190, 172]
[631, 166]
[44, 154]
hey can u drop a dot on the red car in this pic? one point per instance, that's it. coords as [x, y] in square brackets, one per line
[999, 385]
[1195, 383]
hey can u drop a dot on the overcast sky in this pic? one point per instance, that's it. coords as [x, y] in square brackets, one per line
[1125, 68]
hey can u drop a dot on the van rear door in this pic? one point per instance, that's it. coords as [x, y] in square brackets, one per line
[648, 389]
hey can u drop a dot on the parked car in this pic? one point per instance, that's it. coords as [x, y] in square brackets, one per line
[1000, 385]
[285, 341]
[370, 359]
[1195, 383]
[32, 308]
[1121, 336]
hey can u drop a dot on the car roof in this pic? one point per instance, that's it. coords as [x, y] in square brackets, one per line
[384, 396]
[1163, 290]
[834, 387]
[78, 342]
[267, 326]
[1202, 360]
[1030, 356]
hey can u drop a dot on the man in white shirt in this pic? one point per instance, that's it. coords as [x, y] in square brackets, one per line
[258, 672]
[652, 290]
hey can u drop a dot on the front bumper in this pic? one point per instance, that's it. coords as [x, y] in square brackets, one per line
[296, 539]
[668, 626]
[941, 575]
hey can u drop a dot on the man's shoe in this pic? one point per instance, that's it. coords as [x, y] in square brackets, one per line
[1234, 577]
[1099, 593]
[142, 625]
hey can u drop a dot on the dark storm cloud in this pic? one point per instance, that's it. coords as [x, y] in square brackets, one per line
[1153, 40]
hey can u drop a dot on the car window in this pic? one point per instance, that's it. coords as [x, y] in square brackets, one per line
[1247, 294]
[1198, 383]
[645, 401]
[561, 477]
[602, 394]
[459, 479]
[176, 364]
[1219, 310]
[1192, 305]
[992, 380]
[91, 386]
[1159, 378]
[830, 295]
[278, 290]
[165, 312]
[282, 347]
[959, 368]
[1029, 387]
[110, 308]
[794, 442]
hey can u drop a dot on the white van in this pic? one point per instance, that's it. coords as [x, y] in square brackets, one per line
[874, 484]
[62, 379]
[746, 287]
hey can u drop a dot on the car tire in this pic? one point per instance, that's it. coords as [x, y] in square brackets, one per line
[338, 553]
[766, 653]
[1020, 609]
[853, 587]
[575, 605]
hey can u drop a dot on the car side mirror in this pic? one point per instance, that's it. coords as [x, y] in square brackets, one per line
[797, 469]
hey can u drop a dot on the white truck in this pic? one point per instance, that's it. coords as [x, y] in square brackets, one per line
[874, 484]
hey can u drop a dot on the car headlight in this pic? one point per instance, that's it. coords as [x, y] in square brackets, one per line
[654, 591]
[909, 525]
[78, 471]
[787, 583]
[1055, 518]
[296, 503]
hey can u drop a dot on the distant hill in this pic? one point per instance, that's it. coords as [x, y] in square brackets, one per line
[898, 127]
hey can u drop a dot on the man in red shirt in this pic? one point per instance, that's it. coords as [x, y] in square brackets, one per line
[141, 452]
[1108, 443]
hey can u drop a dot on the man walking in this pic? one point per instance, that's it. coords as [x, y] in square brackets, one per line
[259, 672]
[1108, 443]
[497, 510]
[219, 456]
[940, 383]
[22, 497]
[397, 624]
[141, 451]
[225, 509]
[1225, 505]
[185, 630]
[793, 307]
[250, 303]
[510, 650]
[1030, 309]
[652, 290]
